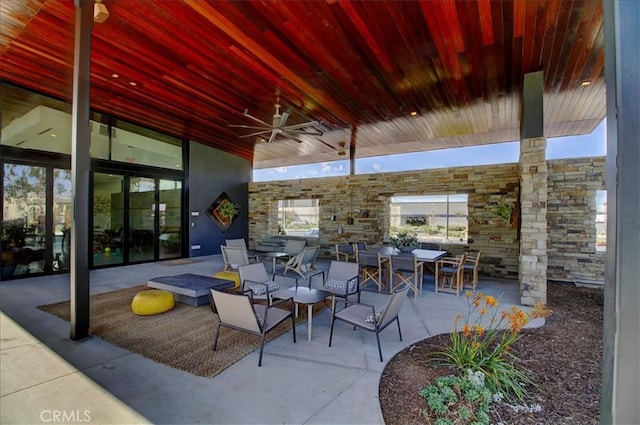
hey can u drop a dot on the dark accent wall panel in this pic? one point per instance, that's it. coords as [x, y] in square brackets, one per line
[212, 172]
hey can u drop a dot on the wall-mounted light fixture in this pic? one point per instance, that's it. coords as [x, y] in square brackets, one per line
[100, 12]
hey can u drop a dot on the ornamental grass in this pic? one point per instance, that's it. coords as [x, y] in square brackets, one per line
[482, 342]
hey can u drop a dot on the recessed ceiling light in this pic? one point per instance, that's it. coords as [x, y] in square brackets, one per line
[414, 113]
[54, 135]
[115, 75]
[133, 83]
[585, 83]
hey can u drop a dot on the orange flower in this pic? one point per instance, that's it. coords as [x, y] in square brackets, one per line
[468, 294]
[483, 311]
[466, 330]
[540, 310]
[490, 301]
[478, 329]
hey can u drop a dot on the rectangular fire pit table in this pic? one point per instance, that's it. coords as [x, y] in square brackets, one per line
[189, 288]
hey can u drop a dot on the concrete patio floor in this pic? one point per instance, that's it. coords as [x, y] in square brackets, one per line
[47, 378]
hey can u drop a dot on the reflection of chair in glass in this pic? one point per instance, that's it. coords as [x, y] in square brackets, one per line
[341, 280]
[303, 262]
[470, 278]
[366, 317]
[449, 274]
[61, 259]
[407, 270]
[344, 252]
[254, 277]
[371, 268]
[237, 311]
[234, 257]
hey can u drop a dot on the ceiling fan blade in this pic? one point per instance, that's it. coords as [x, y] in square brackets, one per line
[266, 124]
[302, 125]
[257, 133]
[291, 136]
[272, 137]
[250, 127]
[306, 132]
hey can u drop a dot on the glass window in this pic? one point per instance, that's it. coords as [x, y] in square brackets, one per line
[434, 218]
[299, 217]
[62, 207]
[601, 220]
[32, 121]
[142, 209]
[108, 219]
[137, 145]
[170, 218]
[23, 225]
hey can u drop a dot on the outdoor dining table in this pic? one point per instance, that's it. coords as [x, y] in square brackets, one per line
[427, 256]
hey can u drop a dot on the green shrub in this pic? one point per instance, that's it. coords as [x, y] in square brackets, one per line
[458, 399]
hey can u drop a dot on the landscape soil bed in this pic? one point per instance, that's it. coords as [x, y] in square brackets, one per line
[565, 357]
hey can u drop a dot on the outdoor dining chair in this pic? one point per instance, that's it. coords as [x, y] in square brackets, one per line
[365, 316]
[406, 270]
[358, 247]
[254, 278]
[449, 274]
[470, 272]
[340, 280]
[303, 262]
[237, 311]
[372, 268]
[344, 252]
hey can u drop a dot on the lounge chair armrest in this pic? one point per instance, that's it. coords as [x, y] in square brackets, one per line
[315, 276]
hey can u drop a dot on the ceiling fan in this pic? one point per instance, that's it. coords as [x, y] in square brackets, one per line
[278, 126]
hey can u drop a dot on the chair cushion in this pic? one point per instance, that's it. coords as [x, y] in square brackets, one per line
[261, 289]
[340, 285]
[448, 269]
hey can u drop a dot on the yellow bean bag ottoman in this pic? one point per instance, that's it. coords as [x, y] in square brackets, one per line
[152, 301]
[229, 275]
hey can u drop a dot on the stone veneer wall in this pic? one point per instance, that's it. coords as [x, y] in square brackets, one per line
[571, 207]
[571, 217]
[485, 186]
[533, 221]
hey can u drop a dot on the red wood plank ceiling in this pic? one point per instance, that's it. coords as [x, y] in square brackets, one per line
[197, 65]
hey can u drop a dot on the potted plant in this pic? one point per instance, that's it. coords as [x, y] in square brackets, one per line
[405, 241]
[226, 211]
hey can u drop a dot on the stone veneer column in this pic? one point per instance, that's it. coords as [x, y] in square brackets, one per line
[533, 221]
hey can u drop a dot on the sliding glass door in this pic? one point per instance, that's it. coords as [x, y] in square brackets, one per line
[135, 219]
[142, 219]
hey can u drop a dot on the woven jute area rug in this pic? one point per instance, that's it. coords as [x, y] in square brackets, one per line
[181, 338]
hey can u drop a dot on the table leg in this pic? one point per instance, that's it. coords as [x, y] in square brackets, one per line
[309, 318]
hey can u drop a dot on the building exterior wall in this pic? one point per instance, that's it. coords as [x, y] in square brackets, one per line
[571, 218]
[485, 186]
